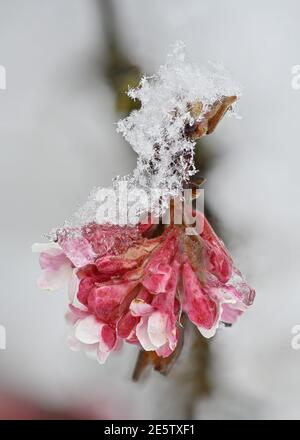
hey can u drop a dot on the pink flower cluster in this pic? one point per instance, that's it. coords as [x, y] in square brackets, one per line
[126, 286]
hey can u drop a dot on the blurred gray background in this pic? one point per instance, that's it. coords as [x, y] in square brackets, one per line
[58, 140]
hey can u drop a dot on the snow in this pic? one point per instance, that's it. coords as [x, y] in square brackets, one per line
[156, 134]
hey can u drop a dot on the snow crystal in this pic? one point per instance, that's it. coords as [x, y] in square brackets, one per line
[156, 132]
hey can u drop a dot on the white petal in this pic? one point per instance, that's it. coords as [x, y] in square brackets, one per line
[142, 335]
[103, 347]
[208, 333]
[87, 330]
[157, 329]
[139, 307]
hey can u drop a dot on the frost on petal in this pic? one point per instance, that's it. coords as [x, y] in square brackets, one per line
[180, 100]
[87, 330]
[240, 288]
[241, 293]
[109, 239]
[77, 249]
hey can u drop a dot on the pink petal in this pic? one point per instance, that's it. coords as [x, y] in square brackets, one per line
[78, 313]
[126, 325]
[165, 302]
[230, 314]
[156, 282]
[53, 262]
[201, 309]
[166, 251]
[132, 338]
[157, 328]
[56, 267]
[107, 338]
[164, 351]
[131, 259]
[55, 279]
[114, 265]
[109, 301]
[143, 336]
[139, 307]
[73, 286]
[84, 288]
[158, 270]
[219, 257]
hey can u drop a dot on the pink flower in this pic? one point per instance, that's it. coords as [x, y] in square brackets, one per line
[128, 287]
[56, 267]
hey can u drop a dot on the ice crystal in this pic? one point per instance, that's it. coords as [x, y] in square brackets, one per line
[157, 133]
